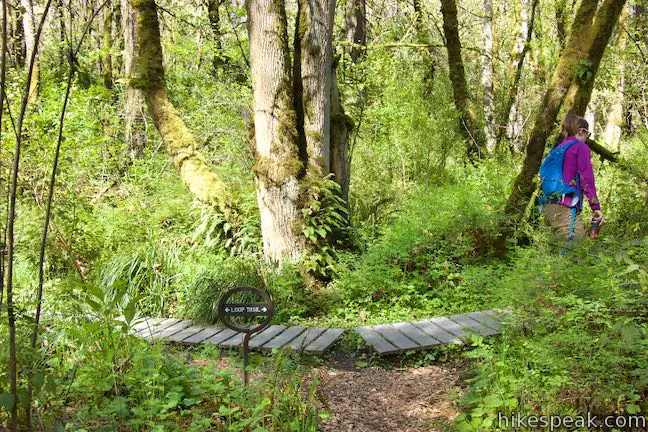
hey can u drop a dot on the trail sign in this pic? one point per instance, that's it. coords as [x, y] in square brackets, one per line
[228, 310]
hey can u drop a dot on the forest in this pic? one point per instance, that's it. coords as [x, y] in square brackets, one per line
[371, 164]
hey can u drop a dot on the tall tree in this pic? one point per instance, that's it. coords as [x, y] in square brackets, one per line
[575, 50]
[580, 90]
[134, 120]
[487, 76]
[278, 163]
[29, 31]
[214, 15]
[106, 47]
[510, 118]
[614, 120]
[180, 142]
[300, 128]
[465, 107]
[423, 37]
[355, 23]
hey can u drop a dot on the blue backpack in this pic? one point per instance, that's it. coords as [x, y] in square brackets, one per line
[551, 178]
[554, 188]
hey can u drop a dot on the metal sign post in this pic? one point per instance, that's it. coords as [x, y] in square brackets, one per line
[264, 308]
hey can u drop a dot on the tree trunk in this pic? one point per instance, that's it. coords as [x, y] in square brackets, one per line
[614, 121]
[213, 13]
[580, 91]
[180, 142]
[356, 28]
[575, 49]
[314, 34]
[467, 118]
[278, 164]
[118, 60]
[29, 30]
[487, 76]
[511, 118]
[341, 128]
[423, 37]
[18, 36]
[106, 48]
[134, 120]
[564, 10]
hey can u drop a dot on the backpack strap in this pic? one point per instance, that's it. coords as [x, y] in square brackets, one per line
[572, 228]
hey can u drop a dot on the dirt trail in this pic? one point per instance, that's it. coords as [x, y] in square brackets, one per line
[399, 400]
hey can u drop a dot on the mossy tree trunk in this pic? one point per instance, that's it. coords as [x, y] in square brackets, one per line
[423, 37]
[106, 47]
[566, 69]
[355, 23]
[17, 51]
[300, 128]
[278, 164]
[580, 91]
[134, 105]
[180, 142]
[467, 118]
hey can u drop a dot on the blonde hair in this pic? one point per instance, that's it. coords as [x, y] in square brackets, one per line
[572, 123]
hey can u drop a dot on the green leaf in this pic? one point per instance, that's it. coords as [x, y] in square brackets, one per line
[7, 400]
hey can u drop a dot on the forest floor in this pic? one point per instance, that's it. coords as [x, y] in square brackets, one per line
[383, 399]
[376, 399]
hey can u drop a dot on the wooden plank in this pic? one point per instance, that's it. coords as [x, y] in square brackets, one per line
[184, 334]
[175, 328]
[416, 334]
[450, 326]
[148, 331]
[435, 331]
[376, 340]
[267, 334]
[221, 337]
[324, 341]
[485, 319]
[301, 341]
[203, 335]
[144, 323]
[471, 325]
[395, 337]
[235, 341]
[285, 337]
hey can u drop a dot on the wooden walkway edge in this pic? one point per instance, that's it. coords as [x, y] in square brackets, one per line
[416, 335]
[383, 338]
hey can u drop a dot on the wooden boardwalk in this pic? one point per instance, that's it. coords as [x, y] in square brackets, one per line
[394, 338]
[384, 338]
[312, 340]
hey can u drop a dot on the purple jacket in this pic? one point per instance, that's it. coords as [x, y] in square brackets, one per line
[577, 160]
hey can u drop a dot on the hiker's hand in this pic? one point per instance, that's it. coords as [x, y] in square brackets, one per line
[598, 217]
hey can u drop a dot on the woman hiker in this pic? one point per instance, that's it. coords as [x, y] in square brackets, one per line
[563, 199]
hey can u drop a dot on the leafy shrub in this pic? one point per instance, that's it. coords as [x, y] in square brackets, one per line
[578, 338]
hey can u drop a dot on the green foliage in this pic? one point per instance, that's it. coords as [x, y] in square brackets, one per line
[577, 338]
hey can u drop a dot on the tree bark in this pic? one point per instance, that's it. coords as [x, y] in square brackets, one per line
[18, 37]
[423, 38]
[106, 48]
[180, 142]
[614, 121]
[341, 128]
[580, 91]
[355, 23]
[575, 49]
[134, 120]
[278, 164]
[213, 13]
[314, 34]
[487, 76]
[510, 120]
[467, 118]
[29, 31]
